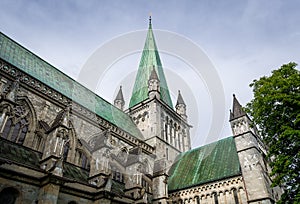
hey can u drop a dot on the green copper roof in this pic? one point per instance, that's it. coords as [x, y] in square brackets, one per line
[31, 64]
[150, 58]
[208, 163]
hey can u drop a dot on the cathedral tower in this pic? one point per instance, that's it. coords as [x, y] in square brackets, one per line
[152, 110]
[151, 106]
[252, 157]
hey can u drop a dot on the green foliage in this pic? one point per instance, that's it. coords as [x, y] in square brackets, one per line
[276, 110]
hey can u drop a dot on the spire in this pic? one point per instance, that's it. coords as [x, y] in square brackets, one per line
[180, 106]
[150, 58]
[237, 109]
[180, 99]
[153, 74]
[120, 95]
[153, 85]
[119, 101]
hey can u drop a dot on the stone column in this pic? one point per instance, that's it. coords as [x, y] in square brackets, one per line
[229, 197]
[48, 194]
[222, 198]
[242, 196]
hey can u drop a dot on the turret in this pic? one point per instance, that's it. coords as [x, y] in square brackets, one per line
[251, 153]
[240, 122]
[153, 85]
[181, 107]
[119, 101]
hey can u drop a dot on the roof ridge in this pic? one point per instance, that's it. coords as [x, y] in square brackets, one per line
[211, 143]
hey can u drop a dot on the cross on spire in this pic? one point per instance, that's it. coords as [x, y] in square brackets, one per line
[150, 20]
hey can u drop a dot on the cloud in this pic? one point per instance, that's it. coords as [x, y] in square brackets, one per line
[244, 39]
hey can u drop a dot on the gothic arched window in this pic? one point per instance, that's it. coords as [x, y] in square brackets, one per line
[197, 200]
[9, 195]
[84, 162]
[16, 124]
[6, 128]
[66, 150]
[166, 131]
[235, 195]
[215, 195]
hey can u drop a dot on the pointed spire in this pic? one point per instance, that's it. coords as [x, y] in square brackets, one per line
[180, 106]
[180, 99]
[153, 85]
[237, 109]
[153, 74]
[119, 101]
[150, 58]
[120, 95]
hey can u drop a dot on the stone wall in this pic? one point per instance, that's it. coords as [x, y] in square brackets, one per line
[228, 191]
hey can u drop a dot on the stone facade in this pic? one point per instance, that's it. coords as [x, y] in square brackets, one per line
[58, 150]
[224, 191]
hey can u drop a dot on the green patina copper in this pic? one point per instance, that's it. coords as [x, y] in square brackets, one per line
[31, 64]
[150, 58]
[208, 163]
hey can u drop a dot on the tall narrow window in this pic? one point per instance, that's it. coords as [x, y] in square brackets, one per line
[23, 132]
[175, 136]
[215, 198]
[66, 151]
[15, 132]
[236, 199]
[167, 153]
[170, 132]
[6, 129]
[166, 132]
[84, 161]
[197, 199]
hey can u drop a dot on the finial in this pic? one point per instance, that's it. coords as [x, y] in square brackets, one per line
[150, 19]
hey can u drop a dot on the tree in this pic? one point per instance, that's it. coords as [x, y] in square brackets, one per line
[276, 110]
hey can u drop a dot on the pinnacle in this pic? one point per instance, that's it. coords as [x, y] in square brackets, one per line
[120, 95]
[237, 109]
[180, 99]
[153, 74]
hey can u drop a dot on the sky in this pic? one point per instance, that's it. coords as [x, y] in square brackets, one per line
[244, 40]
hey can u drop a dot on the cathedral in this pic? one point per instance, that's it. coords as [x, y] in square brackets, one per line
[62, 143]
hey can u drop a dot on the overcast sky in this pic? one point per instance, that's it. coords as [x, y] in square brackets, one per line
[243, 39]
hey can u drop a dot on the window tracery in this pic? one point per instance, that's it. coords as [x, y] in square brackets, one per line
[15, 122]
